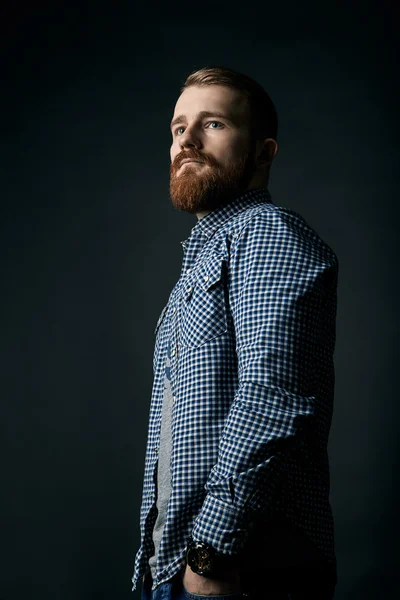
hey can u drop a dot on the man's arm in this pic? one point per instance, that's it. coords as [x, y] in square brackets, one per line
[282, 294]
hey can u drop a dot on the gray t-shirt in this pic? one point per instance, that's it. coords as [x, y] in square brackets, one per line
[164, 458]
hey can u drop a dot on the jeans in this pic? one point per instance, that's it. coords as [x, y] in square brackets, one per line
[252, 590]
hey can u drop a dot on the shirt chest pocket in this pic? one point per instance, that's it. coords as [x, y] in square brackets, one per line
[204, 311]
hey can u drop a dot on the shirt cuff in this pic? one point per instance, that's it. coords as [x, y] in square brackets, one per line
[222, 526]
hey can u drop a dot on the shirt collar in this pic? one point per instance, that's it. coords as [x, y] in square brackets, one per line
[207, 225]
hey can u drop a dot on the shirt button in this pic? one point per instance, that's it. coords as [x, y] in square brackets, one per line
[189, 290]
[173, 352]
[206, 278]
[173, 399]
[187, 270]
[173, 310]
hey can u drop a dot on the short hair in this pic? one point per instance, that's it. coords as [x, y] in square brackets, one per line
[263, 115]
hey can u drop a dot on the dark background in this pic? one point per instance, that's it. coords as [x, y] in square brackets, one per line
[90, 249]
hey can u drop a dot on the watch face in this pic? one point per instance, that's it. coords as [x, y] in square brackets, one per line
[199, 558]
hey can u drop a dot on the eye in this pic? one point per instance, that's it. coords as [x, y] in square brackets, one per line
[208, 123]
[218, 122]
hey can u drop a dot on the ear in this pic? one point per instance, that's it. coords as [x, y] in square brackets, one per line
[266, 151]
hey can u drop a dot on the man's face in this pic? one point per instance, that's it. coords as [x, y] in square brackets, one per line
[221, 144]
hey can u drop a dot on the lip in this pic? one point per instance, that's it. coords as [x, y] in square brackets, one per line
[186, 160]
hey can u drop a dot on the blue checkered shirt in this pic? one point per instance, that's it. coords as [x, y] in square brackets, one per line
[251, 322]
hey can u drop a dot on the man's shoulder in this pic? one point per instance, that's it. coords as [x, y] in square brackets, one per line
[283, 224]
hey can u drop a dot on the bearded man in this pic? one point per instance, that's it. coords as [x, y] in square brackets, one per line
[236, 481]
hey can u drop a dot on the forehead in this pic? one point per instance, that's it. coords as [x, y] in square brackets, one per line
[211, 98]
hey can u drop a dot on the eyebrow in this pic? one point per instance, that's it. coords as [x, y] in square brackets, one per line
[202, 115]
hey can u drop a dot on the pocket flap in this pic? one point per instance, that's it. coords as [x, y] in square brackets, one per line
[210, 272]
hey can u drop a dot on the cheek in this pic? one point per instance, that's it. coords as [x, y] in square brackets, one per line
[230, 151]
[226, 157]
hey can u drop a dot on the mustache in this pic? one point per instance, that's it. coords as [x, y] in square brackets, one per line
[190, 156]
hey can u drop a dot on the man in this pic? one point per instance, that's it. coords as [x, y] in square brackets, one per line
[236, 483]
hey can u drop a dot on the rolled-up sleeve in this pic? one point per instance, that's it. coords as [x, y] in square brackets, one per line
[282, 299]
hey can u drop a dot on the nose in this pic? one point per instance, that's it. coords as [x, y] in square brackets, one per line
[189, 139]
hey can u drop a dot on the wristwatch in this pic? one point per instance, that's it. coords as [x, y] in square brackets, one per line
[204, 560]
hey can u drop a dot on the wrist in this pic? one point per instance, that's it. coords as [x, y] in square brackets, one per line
[204, 560]
[227, 583]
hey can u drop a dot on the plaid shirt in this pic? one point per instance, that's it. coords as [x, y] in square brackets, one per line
[251, 323]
